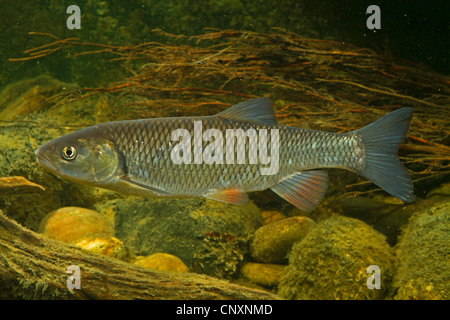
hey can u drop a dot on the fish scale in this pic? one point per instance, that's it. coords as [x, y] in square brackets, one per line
[149, 140]
[138, 156]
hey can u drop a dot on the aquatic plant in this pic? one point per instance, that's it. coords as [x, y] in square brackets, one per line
[317, 84]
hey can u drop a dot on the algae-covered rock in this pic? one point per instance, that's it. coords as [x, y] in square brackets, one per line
[17, 158]
[163, 262]
[271, 216]
[383, 212]
[20, 139]
[331, 262]
[424, 255]
[208, 236]
[26, 96]
[272, 242]
[443, 191]
[264, 274]
[71, 224]
[108, 246]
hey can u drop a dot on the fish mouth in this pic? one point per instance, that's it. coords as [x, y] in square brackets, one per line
[44, 162]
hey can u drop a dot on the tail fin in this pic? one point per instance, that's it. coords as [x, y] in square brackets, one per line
[382, 139]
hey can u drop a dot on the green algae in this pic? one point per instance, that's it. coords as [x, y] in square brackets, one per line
[424, 255]
[209, 237]
[331, 262]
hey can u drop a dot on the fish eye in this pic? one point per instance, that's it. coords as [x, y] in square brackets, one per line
[69, 153]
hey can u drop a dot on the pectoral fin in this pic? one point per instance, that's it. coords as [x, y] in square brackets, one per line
[232, 195]
[304, 190]
[141, 188]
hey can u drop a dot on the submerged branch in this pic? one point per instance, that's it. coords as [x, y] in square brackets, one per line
[35, 267]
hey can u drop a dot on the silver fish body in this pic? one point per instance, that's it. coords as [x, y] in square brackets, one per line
[224, 156]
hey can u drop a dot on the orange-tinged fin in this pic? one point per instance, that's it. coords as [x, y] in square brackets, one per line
[304, 190]
[259, 110]
[232, 195]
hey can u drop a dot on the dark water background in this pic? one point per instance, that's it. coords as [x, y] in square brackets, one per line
[414, 30]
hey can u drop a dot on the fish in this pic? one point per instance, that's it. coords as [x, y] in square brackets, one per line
[224, 156]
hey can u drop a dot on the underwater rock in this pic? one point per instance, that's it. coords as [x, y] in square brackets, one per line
[272, 242]
[440, 192]
[267, 275]
[271, 216]
[208, 236]
[163, 262]
[71, 224]
[18, 141]
[18, 185]
[111, 247]
[331, 262]
[423, 255]
[34, 267]
[23, 97]
[17, 159]
[384, 213]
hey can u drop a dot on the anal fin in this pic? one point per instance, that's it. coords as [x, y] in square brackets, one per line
[304, 189]
[232, 195]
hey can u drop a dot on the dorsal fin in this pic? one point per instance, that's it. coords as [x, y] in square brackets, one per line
[259, 110]
[304, 189]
